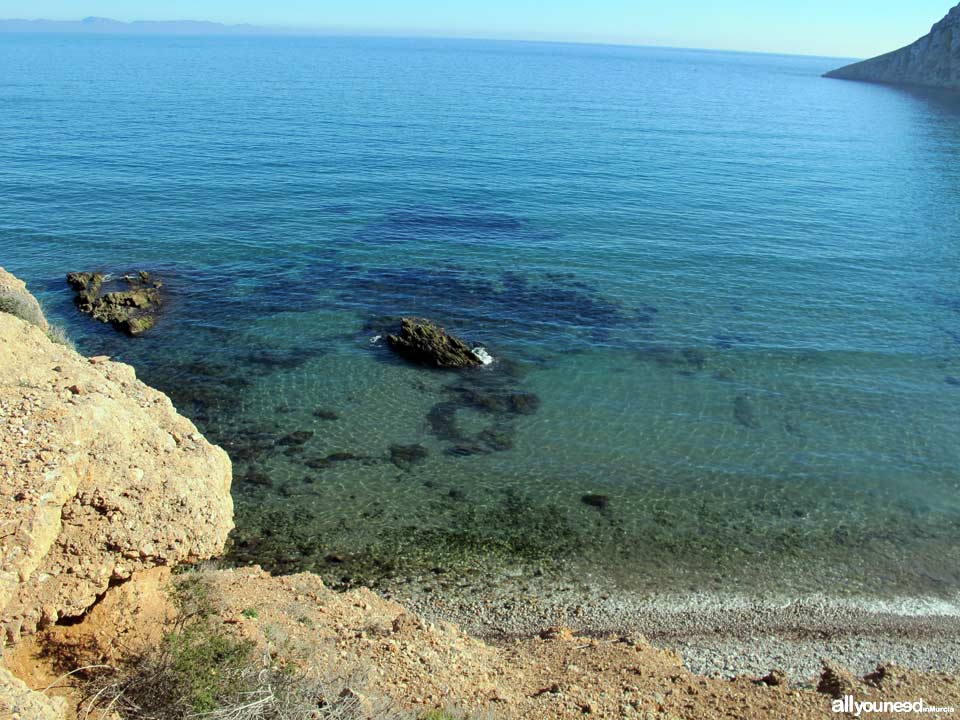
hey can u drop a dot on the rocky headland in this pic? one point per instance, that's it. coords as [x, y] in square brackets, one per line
[108, 494]
[932, 61]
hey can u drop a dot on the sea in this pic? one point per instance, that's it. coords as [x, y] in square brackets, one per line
[722, 296]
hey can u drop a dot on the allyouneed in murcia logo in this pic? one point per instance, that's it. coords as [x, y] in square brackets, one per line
[857, 708]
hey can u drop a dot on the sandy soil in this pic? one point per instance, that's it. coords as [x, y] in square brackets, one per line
[385, 653]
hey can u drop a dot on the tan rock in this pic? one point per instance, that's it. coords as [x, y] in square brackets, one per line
[93, 485]
[19, 702]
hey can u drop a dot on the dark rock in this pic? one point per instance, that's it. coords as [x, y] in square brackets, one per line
[481, 398]
[456, 494]
[600, 502]
[497, 439]
[467, 449]
[775, 678]
[494, 395]
[694, 357]
[324, 414]
[406, 456]
[257, 477]
[332, 459]
[442, 420]
[835, 681]
[662, 356]
[87, 288]
[343, 457]
[298, 437]
[423, 342]
[132, 311]
[524, 403]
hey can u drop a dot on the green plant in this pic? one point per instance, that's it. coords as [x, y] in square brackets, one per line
[21, 307]
[250, 613]
[441, 715]
[202, 670]
[58, 335]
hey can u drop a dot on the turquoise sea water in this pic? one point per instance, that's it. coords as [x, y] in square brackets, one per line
[728, 291]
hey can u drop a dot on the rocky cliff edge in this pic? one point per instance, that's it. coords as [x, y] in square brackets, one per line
[99, 475]
[932, 61]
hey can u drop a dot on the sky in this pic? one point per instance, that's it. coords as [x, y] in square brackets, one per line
[837, 28]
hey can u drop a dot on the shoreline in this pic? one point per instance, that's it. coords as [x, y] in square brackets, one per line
[720, 634]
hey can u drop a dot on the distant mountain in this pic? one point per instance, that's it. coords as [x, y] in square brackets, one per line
[106, 26]
[933, 60]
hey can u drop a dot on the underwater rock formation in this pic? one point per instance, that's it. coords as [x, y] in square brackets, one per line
[426, 343]
[133, 311]
[933, 60]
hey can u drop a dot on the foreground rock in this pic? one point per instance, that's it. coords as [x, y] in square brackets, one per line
[99, 477]
[133, 311]
[933, 60]
[426, 343]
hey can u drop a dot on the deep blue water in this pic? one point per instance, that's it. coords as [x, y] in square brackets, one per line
[733, 287]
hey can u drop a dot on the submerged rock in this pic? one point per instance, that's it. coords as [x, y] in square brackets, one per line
[600, 502]
[132, 311]
[743, 412]
[426, 343]
[497, 439]
[328, 461]
[406, 456]
[296, 438]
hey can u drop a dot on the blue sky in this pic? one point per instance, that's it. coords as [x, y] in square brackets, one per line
[847, 28]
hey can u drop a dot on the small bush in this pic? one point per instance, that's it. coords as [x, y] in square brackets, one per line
[444, 715]
[58, 335]
[20, 307]
[201, 670]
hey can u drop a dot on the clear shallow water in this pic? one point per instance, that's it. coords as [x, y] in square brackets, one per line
[732, 287]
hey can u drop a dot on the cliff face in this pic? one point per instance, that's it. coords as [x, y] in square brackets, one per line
[933, 60]
[99, 477]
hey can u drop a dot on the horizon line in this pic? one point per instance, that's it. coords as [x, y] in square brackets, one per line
[239, 29]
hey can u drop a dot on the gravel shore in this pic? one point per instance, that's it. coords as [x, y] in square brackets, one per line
[717, 634]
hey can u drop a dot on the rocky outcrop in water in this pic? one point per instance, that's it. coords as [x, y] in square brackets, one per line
[99, 476]
[133, 311]
[426, 343]
[933, 60]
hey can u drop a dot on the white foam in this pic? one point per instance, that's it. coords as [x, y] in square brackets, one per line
[375, 339]
[481, 352]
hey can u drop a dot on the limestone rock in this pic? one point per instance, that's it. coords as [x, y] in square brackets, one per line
[19, 702]
[933, 60]
[424, 342]
[94, 485]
